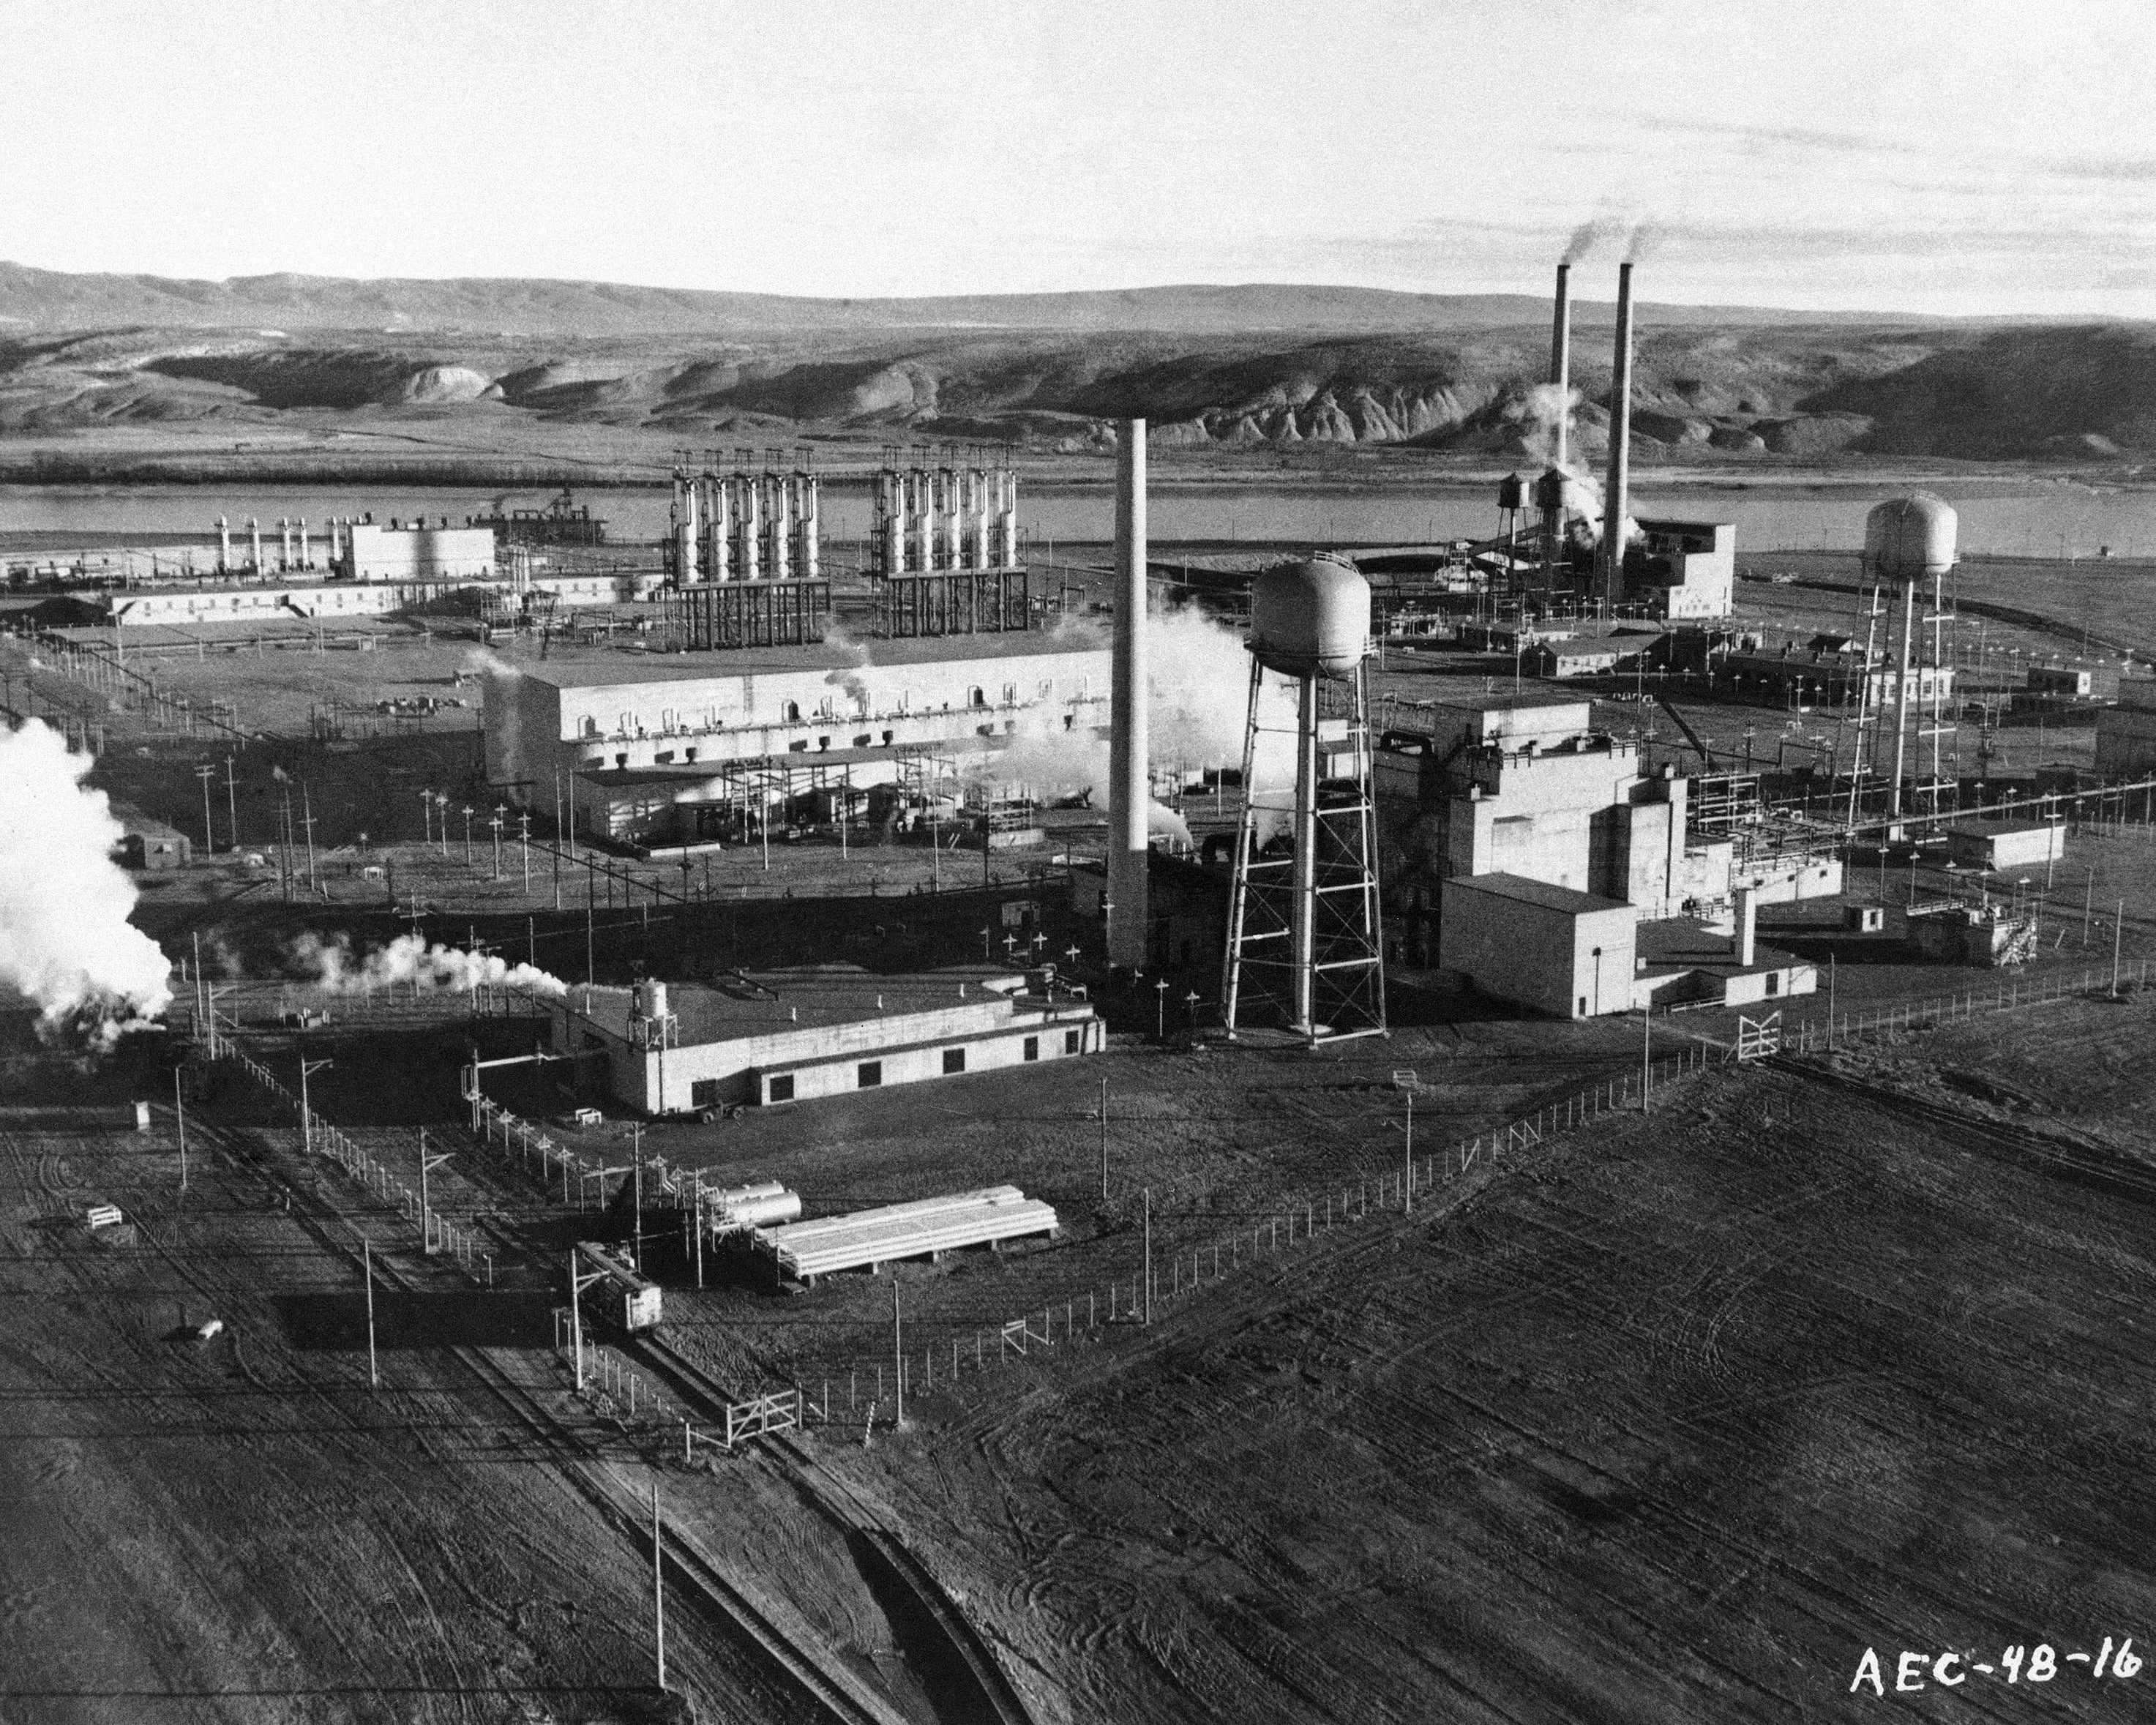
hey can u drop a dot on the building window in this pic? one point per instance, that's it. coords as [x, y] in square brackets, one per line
[704, 1093]
[688, 754]
[1582, 1012]
[591, 724]
[888, 735]
[1774, 982]
[1071, 1040]
[977, 697]
[868, 1075]
[622, 759]
[954, 1060]
[790, 713]
[1033, 1048]
[780, 1089]
[863, 741]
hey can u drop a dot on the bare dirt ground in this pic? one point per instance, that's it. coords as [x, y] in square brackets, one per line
[1672, 1420]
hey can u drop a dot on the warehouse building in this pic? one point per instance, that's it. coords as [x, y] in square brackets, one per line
[2126, 734]
[659, 750]
[820, 1030]
[2006, 843]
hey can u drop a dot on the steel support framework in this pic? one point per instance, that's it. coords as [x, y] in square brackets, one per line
[953, 602]
[713, 615]
[1306, 939]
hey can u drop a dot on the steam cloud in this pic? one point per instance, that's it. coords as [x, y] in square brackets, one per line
[65, 940]
[408, 960]
[1198, 683]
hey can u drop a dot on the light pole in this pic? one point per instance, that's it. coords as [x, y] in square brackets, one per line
[468, 842]
[1646, 1051]
[1597, 1012]
[427, 817]
[495, 824]
[1160, 1010]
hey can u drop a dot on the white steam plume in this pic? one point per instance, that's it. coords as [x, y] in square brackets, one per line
[408, 960]
[1198, 683]
[848, 677]
[65, 940]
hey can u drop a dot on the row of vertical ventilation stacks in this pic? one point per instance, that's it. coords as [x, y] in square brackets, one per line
[745, 524]
[940, 515]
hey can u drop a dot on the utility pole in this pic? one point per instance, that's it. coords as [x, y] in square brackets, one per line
[468, 844]
[232, 801]
[658, 1591]
[307, 1069]
[307, 807]
[897, 1354]
[1646, 1053]
[1149, 1257]
[428, 1164]
[1104, 1138]
[1407, 1185]
[576, 1309]
[636, 1173]
[209, 837]
[366, 1255]
[2118, 935]
[180, 1114]
[524, 843]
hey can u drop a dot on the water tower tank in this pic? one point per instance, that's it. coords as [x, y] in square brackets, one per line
[1910, 538]
[1311, 620]
[1512, 491]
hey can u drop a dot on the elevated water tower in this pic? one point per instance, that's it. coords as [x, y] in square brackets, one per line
[1908, 541]
[1305, 949]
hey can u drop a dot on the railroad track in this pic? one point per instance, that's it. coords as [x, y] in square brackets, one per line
[2084, 1164]
[845, 1509]
[793, 1648]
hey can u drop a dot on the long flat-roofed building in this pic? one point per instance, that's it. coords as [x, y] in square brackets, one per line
[644, 747]
[789, 1035]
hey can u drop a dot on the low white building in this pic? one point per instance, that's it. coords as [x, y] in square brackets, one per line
[820, 1030]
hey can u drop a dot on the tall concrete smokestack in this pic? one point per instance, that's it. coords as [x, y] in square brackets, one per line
[1130, 791]
[1617, 500]
[1561, 360]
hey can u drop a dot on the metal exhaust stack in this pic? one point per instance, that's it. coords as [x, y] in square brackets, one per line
[1561, 360]
[1130, 791]
[1617, 500]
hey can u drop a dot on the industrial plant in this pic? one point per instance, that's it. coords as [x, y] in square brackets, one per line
[760, 996]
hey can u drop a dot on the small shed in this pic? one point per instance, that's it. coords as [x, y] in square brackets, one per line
[149, 845]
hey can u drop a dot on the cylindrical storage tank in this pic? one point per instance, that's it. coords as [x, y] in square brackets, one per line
[727, 1197]
[1311, 620]
[766, 1211]
[1910, 538]
[655, 1000]
[1512, 491]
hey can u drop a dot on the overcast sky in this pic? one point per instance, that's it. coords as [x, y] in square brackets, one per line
[1937, 156]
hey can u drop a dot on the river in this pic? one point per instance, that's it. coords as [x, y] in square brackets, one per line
[2056, 520]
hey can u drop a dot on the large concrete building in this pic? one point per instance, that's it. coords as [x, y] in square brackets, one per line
[789, 1035]
[657, 749]
[1545, 855]
[1684, 571]
[407, 551]
[1523, 785]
